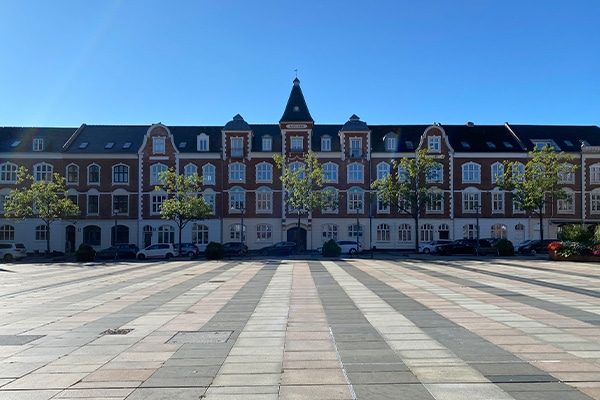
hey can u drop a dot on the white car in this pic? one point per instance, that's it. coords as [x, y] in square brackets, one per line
[429, 247]
[161, 250]
[12, 251]
[349, 247]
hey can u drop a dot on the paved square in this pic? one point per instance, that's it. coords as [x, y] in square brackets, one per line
[368, 329]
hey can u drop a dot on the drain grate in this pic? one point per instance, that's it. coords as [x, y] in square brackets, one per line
[17, 340]
[198, 337]
[115, 332]
[216, 281]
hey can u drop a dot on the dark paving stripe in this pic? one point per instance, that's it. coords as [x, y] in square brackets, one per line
[197, 364]
[531, 281]
[371, 365]
[493, 362]
[568, 273]
[561, 309]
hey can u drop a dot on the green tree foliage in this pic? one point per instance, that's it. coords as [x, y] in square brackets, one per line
[40, 199]
[539, 183]
[183, 203]
[406, 187]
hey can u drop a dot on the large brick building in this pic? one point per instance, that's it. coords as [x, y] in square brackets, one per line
[112, 171]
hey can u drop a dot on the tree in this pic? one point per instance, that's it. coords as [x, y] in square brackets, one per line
[46, 200]
[538, 183]
[406, 187]
[183, 204]
[303, 186]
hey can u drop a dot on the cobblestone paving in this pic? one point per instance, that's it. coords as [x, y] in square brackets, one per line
[443, 329]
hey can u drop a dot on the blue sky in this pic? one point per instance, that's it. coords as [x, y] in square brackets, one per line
[63, 63]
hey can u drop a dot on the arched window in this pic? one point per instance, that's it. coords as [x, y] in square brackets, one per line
[237, 172]
[41, 232]
[426, 233]
[518, 171]
[332, 200]
[404, 233]
[237, 199]
[155, 171]
[497, 201]
[8, 172]
[209, 197]
[519, 233]
[120, 173]
[470, 231]
[202, 142]
[471, 200]
[166, 234]
[326, 143]
[72, 174]
[42, 172]
[330, 231]
[297, 166]
[330, 172]
[471, 173]
[444, 232]
[93, 174]
[435, 201]
[190, 170]
[208, 174]
[566, 205]
[264, 200]
[264, 232]
[566, 174]
[435, 174]
[355, 173]
[235, 231]
[498, 231]
[383, 233]
[595, 173]
[267, 143]
[200, 234]
[92, 235]
[7, 232]
[383, 170]
[264, 172]
[356, 200]
[595, 201]
[497, 172]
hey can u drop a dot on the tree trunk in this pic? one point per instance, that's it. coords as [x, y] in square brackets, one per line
[417, 231]
[180, 230]
[298, 232]
[541, 225]
[48, 237]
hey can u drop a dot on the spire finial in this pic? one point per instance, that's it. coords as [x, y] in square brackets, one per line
[296, 71]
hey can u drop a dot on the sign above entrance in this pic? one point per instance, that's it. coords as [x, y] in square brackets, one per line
[296, 126]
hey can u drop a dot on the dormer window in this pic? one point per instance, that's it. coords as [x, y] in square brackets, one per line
[237, 147]
[391, 143]
[434, 143]
[202, 142]
[326, 143]
[109, 145]
[158, 145]
[267, 143]
[38, 144]
[540, 144]
[355, 147]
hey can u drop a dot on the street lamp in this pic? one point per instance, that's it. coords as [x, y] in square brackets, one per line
[477, 210]
[115, 213]
[358, 206]
[239, 207]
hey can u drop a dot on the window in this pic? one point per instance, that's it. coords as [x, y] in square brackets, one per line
[566, 174]
[404, 233]
[518, 171]
[158, 145]
[356, 198]
[41, 232]
[383, 207]
[470, 201]
[402, 175]
[7, 232]
[595, 173]
[409, 145]
[383, 233]
[200, 234]
[471, 173]
[330, 231]
[93, 203]
[264, 200]
[120, 204]
[267, 143]
[190, 170]
[297, 166]
[383, 170]
[497, 172]
[109, 145]
[355, 173]
[444, 232]
[517, 207]
[355, 147]
[237, 147]
[331, 205]
[237, 199]
[391, 143]
[237, 172]
[519, 233]
[490, 145]
[8, 172]
[540, 144]
[210, 198]
[93, 174]
[92, 235]
[465, 145]
[2, 202]
[38, 144]
[435, 202]
[264, 172]
[264, 233]
[202, 142]
[74, 199]
[330, 172]
[126, 145]
[595, 202]
[73, 174]
[156, 202]
[435, 173]
[15, 143]
[497, 202]
[426, 233]
[354, 231]
[120, 174]
[155, 171]
[208, 174]
[566, 205]
[434, 143]
[235, 232]
[470, 231]
[297, 143]
[166, 234]
[498, 231]
[42, 172]
[326, 143]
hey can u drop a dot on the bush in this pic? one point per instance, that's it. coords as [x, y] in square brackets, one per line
[331, 249]
[573, 249]
[577, 233]
[214, 251]
[85, 253]
[505, 248]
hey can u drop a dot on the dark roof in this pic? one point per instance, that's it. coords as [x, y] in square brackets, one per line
[185, 137]
[481, 138]
[98, 136]
[326, 130]
[259, 131]
[354, 124]
[22, 138]
[572, 134]
[296, 109]
[408, 136]
[237, 124]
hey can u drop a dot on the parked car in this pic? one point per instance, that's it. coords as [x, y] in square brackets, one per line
[123, 250]
[12, 251]
[533, 247]
[466, 246]
[161, 250]
[188, 249]
[429, 247]
[235, 249]
[349, 247]
[279, 249]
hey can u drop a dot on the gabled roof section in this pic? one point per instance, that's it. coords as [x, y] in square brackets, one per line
[296, 109]
[567, 137]
[237, 124]
[354, 124]
[20, 139]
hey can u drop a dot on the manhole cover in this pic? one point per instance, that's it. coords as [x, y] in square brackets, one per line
[17, 340]
[116, 332]
[208, 337]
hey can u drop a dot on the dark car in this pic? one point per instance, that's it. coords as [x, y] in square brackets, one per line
[235, 249]
[467, 246]
[188, 249]
[533, 247]
[279, 249]
[123, 250]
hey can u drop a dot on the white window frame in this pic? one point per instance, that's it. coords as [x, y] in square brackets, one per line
[471, 172]
[237, 146]
[88, 174]
[438, 202]
[113, 174]
[202, 143]
[37, 144]
[334, 195]
[426, 232]
[156, 201]
[355, 195]
[334, 170]
[264, 172]
[498, 201]
[566, 178]
[8, 172]
[595, 201]
[264, 200]
[382, 208]
[67, 174]
[237, 172]
[355, 151]
[383, 170]
[159, 145]
[356, 173]
[497, 171]
[41, 233]
[595, 173]
[566, 205]
[190, 170]
[383, 233]
[267, 143]
[210, 174]
[435, 174]
[200, 234]
[155, 171]
[112, 203]
[264, 233]
[210, 198]
[237, 200]
[42, 172]
[434, 144]
[294, 141]
[391, 143]
[471, 201]
[326, 143]
[405, 233]
[329, 231]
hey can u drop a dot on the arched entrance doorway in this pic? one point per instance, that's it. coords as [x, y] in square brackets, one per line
[297, 235]
[70, 239]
